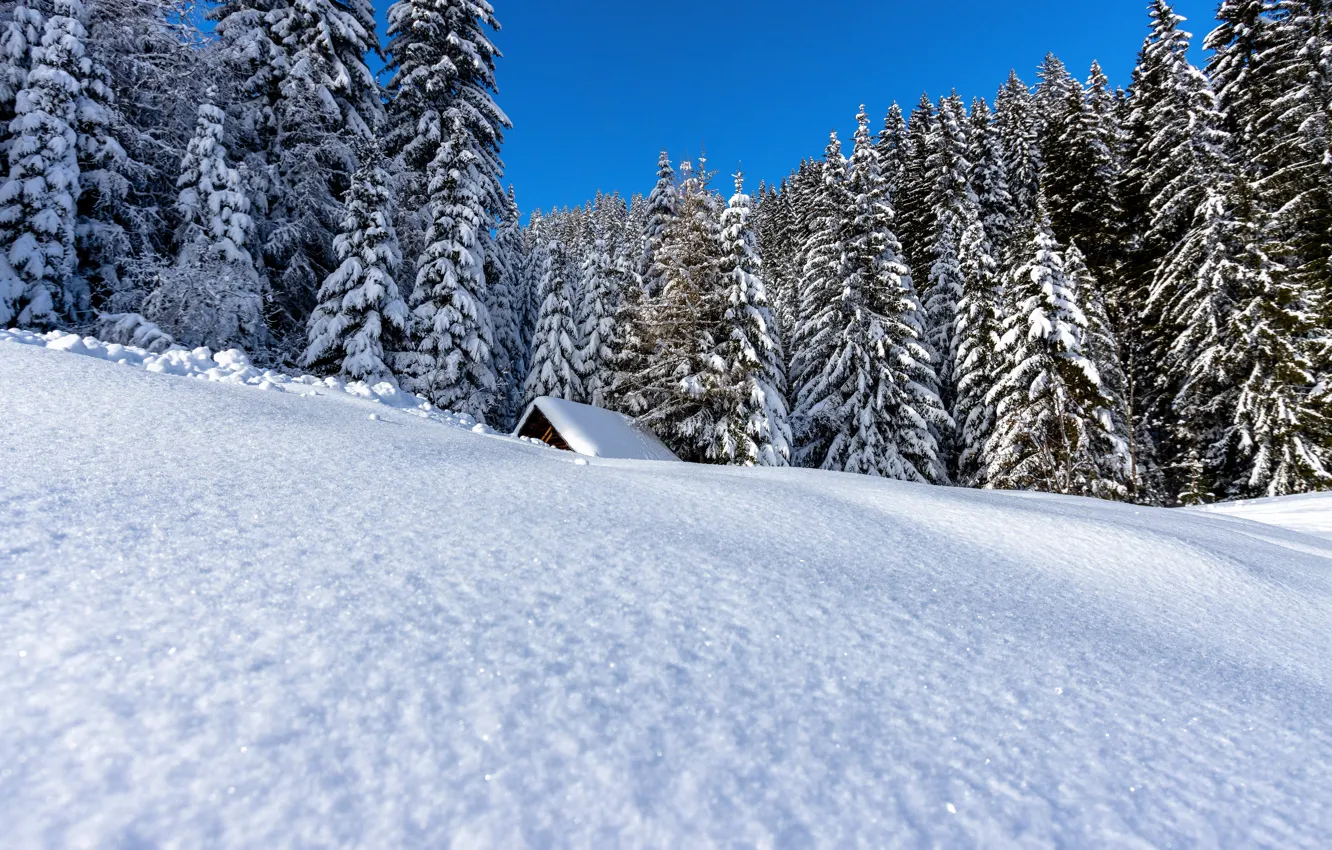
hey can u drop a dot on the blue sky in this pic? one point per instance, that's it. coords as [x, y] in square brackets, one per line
[596, 88]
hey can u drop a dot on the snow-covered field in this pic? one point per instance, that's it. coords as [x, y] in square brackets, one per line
[243, 618]
[1310, 514]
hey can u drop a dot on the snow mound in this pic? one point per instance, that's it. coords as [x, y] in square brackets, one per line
[231, 367]
[232, 618]
[1310, 514]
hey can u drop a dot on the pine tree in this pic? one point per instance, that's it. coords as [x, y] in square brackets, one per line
[822, 255]
[1240, 69]
[989, 180]
[453, 362]
[1052, 429]
[892, 147]
[38, 202]
[1101, 347]
[1082, 172]
[753, 428]
[1052, 99]
[213, 295]
[1017, 121]
[872, 407]
[305, 94]
[506, 265]
[595, 360]
[976, 344]
[915, 213]
[555, 351]
[954, 208]
[1294, 150]
[662, 208]
[359, 304]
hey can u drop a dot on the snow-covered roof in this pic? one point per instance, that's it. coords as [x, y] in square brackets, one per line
[595, 432]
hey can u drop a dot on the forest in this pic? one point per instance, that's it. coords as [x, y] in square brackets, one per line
[1077, 288]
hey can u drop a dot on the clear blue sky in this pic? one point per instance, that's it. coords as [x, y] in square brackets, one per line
[596, 88]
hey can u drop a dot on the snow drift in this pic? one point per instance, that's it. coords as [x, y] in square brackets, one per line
[232, 618]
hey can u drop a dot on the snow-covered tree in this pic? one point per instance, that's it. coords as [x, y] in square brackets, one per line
[822, 257]
[305, 95]
[1052, 432]
[753, 428]
[359, 306]
[553, 370]
[989, 180]
[600, 296]
[58, 116]
[662, 208]
[213, 295]
[453, 361]
[872, 408]
[1015, 114]
[954, 207]
[507, 289]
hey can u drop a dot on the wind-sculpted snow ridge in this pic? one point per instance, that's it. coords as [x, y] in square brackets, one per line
[1310, 513]
[234, 367]
[234, 619]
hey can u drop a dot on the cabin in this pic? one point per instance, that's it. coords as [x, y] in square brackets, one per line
[590, 431]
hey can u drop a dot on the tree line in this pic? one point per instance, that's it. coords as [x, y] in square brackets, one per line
[1075, 288]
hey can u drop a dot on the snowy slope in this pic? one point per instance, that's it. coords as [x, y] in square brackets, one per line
[1311, 514]
[233, 618]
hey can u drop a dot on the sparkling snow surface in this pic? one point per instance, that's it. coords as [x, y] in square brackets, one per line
[232, 618]
[1310, 514]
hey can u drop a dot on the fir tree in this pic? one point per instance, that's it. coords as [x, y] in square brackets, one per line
[915, 213]
[554, 369]
[1052, 430]
[662, 208]
[871, 407]
[453, 362]
[752, 428]
[595, 359]
[38, 202]
[359, 305]
[823, 255]
[954, 207]
[989, 180]
[1081, 173]
[213, 295]
[1017, 122]
[507, 288]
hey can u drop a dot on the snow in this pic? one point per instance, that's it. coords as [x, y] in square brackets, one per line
[596, 432]
[232, 618]
[1310, 514]
[234, 367]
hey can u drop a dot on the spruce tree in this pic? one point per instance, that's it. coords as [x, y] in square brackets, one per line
[213, 295]
[507, 290]
[892, 147]
[305, 95]
[359, 307]
[453, 361]
[446, 125]
[1082, 172]
[753, 428]
[595, 360]
[1052, 430]
[915, 213]
[954, 207]
[1018, 123]
[38, 201]
[554, 371]
[989, 180]
[871, 408]
[662, 208]
[823, 256]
